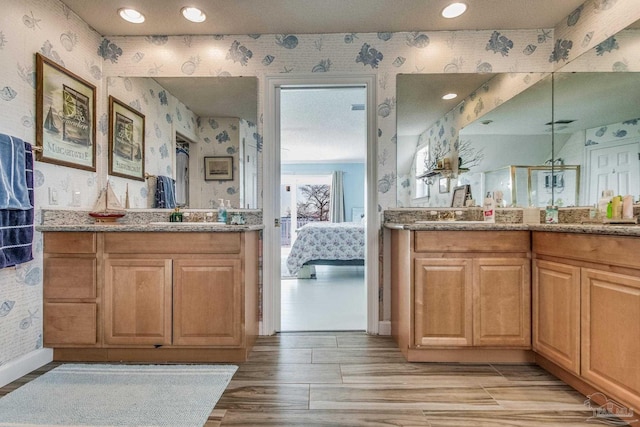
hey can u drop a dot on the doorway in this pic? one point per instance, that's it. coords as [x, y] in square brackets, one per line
[272, 304]
[613, 167]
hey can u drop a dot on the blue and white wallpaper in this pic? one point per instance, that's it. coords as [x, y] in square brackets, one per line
[49, 27]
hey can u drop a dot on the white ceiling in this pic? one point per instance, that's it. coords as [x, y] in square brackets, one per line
[315, 16]
[319, 16]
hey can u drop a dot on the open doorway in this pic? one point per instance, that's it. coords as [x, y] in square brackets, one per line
[323, 145]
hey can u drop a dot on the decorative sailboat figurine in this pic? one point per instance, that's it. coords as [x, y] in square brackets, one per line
[108, 208]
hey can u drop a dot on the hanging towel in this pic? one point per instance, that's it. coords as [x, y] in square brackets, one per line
[165, 192]
[13, 184]
[16, 226]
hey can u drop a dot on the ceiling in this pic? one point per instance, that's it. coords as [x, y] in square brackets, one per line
[315, 16]
[319, 16]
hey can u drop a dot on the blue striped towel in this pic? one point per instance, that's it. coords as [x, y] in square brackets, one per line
[165, 196]
[16, 226]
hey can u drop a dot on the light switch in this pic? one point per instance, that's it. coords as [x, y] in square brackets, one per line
[53, 196]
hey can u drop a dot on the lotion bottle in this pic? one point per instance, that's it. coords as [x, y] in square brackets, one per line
[489, 208]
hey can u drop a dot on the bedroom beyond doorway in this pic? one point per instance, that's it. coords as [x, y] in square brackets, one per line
[322, 199]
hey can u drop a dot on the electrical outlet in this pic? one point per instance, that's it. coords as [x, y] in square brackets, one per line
[53, 196]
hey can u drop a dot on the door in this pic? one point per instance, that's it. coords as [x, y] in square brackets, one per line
[443, 301]
[207, 302]
[501, 302]
[613, 167]
[272, 161]
[556, 313]
[137, 301]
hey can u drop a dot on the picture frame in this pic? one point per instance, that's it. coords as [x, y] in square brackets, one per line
[126, 141]
[444, 185]
[460, 195]
[65, 117]
[218, 168]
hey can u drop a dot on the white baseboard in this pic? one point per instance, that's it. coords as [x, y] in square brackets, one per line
[22, 365]
[384, 327]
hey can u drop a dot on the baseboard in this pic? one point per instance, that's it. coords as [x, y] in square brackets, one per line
[22, 365]
[384, 327]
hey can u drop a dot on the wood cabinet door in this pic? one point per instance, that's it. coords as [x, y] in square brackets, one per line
[611, 333]
[137, 301]
[207, 302]
[556, 313]
[443, 302]
[502, 302]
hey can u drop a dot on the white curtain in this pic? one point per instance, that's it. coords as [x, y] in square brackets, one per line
[337, 197]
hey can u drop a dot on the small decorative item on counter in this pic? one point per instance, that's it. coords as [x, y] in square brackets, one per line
[531, 215]
[499, 198]
[176, 216]
[237, 219]
[551, 216]
[489, 208]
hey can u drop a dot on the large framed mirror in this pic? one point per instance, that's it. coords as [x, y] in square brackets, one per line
[188, 119]
[497, 134]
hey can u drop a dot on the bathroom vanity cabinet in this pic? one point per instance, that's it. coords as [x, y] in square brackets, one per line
[461, 295]
[186, 296]
[586, 323]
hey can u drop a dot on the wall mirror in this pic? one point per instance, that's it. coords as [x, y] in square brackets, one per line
[190, 118]
[499, 127]
[597, 125]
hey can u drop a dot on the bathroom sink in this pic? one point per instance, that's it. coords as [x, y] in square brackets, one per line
[183, 224]
[452, 222]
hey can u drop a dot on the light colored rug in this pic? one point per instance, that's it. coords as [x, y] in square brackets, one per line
[118, 395]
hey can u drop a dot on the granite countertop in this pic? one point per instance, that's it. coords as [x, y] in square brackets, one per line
[200, 227]
[607, 229]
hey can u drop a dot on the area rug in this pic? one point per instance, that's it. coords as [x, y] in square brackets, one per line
[118, 395]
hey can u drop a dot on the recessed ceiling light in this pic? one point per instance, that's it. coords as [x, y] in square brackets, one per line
[193, 14]
[454, 10]
[131, 15]
[450, 96]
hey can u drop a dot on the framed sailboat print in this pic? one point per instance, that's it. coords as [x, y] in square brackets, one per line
[65, 117]
[126, 141]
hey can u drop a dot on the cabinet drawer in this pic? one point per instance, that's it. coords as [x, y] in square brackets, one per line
[70, 324]
[70, 243]
[69, 277]
[172, 243]
[472, 241]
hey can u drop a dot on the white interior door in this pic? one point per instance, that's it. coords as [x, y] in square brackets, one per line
[271, 191]
[614, 167]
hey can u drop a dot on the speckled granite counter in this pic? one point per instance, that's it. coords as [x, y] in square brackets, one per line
[173, 228]
[616, 230]
[144, 220]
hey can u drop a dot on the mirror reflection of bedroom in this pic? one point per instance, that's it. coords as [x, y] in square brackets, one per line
[322, 193]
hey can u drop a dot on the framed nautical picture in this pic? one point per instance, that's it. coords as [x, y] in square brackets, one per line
[460, 195]
[126, 141]
[218, 168]
[65, 117]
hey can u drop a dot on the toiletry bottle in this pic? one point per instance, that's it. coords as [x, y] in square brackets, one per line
[603, 202]
[616, 207]
[609, 210]
[489, 208]
[222, 212]
[627, 207]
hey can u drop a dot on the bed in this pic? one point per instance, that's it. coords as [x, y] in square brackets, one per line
[326, 243]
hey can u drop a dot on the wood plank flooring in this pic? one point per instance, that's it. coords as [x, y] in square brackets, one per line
[351, 379]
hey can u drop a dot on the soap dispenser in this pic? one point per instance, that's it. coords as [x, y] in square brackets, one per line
[222, 212]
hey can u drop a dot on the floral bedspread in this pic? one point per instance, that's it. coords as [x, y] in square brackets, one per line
[326, 241]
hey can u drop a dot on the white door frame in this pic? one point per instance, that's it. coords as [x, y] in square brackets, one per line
[271, 193]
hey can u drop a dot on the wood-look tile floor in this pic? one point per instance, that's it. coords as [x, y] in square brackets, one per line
[351, 379]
